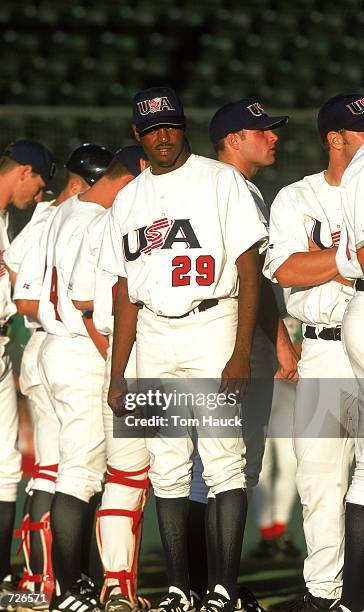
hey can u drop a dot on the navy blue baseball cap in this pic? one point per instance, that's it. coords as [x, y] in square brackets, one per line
[156, 107]
[130, 157]
[31, 152]
[342, 112]
[245, 114]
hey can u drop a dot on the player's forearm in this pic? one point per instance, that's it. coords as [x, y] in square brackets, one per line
[28, 308]
[360, 256]
[83, 305]
[101, 342]
[308, 269]
[125, 319]
[248, 303]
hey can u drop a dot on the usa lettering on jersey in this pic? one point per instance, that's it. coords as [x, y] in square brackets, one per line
[161, 234]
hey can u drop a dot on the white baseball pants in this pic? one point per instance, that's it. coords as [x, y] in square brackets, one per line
[323, 422]
[123, 499]
[10, 457]
[195, 347]
[72, 371]
[45, 422]
[353, 339]
[273, 501]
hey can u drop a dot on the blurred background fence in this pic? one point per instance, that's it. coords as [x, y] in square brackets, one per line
[63, 128]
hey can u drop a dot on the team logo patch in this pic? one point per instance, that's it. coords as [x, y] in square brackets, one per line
[357, 107]
[161, 234]
[256, 109]
[155, 105]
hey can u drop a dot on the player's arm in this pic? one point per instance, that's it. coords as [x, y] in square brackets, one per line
[360, 256]
[237, 370]
[28, 308]
[125, 320]
[308, 269]
[83, 305]
[100, 341]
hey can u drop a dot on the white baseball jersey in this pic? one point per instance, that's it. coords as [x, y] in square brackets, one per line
[88, 282]
[30, 233]
[308, 208]
[23, 257]
[176, 236]
[7, 306]
[57, 313]
[352, 237]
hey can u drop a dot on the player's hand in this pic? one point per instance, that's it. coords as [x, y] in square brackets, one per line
[116, 397]
[235, 376]
[288, 359]
[344, 281]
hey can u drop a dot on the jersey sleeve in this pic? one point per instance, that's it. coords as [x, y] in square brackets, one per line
[30, 275]
[15, 252]
[240, 218]
[358, 195]
[111, 258]
[82, 281]
[286, 232]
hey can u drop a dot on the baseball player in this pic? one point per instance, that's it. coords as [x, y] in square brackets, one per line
[242, 135]
[351, 244]
[174, 240]
[119, 518]
[75, 390]
[26, 166]
[83, 169]
[306, 222]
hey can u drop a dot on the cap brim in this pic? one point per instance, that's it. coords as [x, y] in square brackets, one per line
[159, 124]
[51, 185]
[269, 123]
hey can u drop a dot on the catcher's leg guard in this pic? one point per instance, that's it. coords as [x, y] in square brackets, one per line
[45, 578]
[119, 541]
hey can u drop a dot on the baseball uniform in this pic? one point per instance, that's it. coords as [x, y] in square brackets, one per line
[311, 208]
[119, 518]
[75, 393]
[10, 457]
[22, 255]
[353, 182]
[146, 228]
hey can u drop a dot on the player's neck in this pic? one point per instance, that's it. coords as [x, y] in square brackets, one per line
[247, 169]
[334, 173]
[180, 161]
[5, 191]
[105, 190]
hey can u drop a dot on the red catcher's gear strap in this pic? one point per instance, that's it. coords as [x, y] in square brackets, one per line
[125, 478]
[40, 469]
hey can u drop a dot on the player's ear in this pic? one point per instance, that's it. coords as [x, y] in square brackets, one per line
[335, 140]
[135, 132]
[25, 172]
[232, 140]
[144, 163]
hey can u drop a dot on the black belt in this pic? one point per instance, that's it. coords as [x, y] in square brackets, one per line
[204, 305]
[4, 329]
[41, 329]
[359, 284]
[327, 333]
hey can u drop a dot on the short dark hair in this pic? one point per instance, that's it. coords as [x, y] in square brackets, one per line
[219, 146]
[116, 170]
[7, 164]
